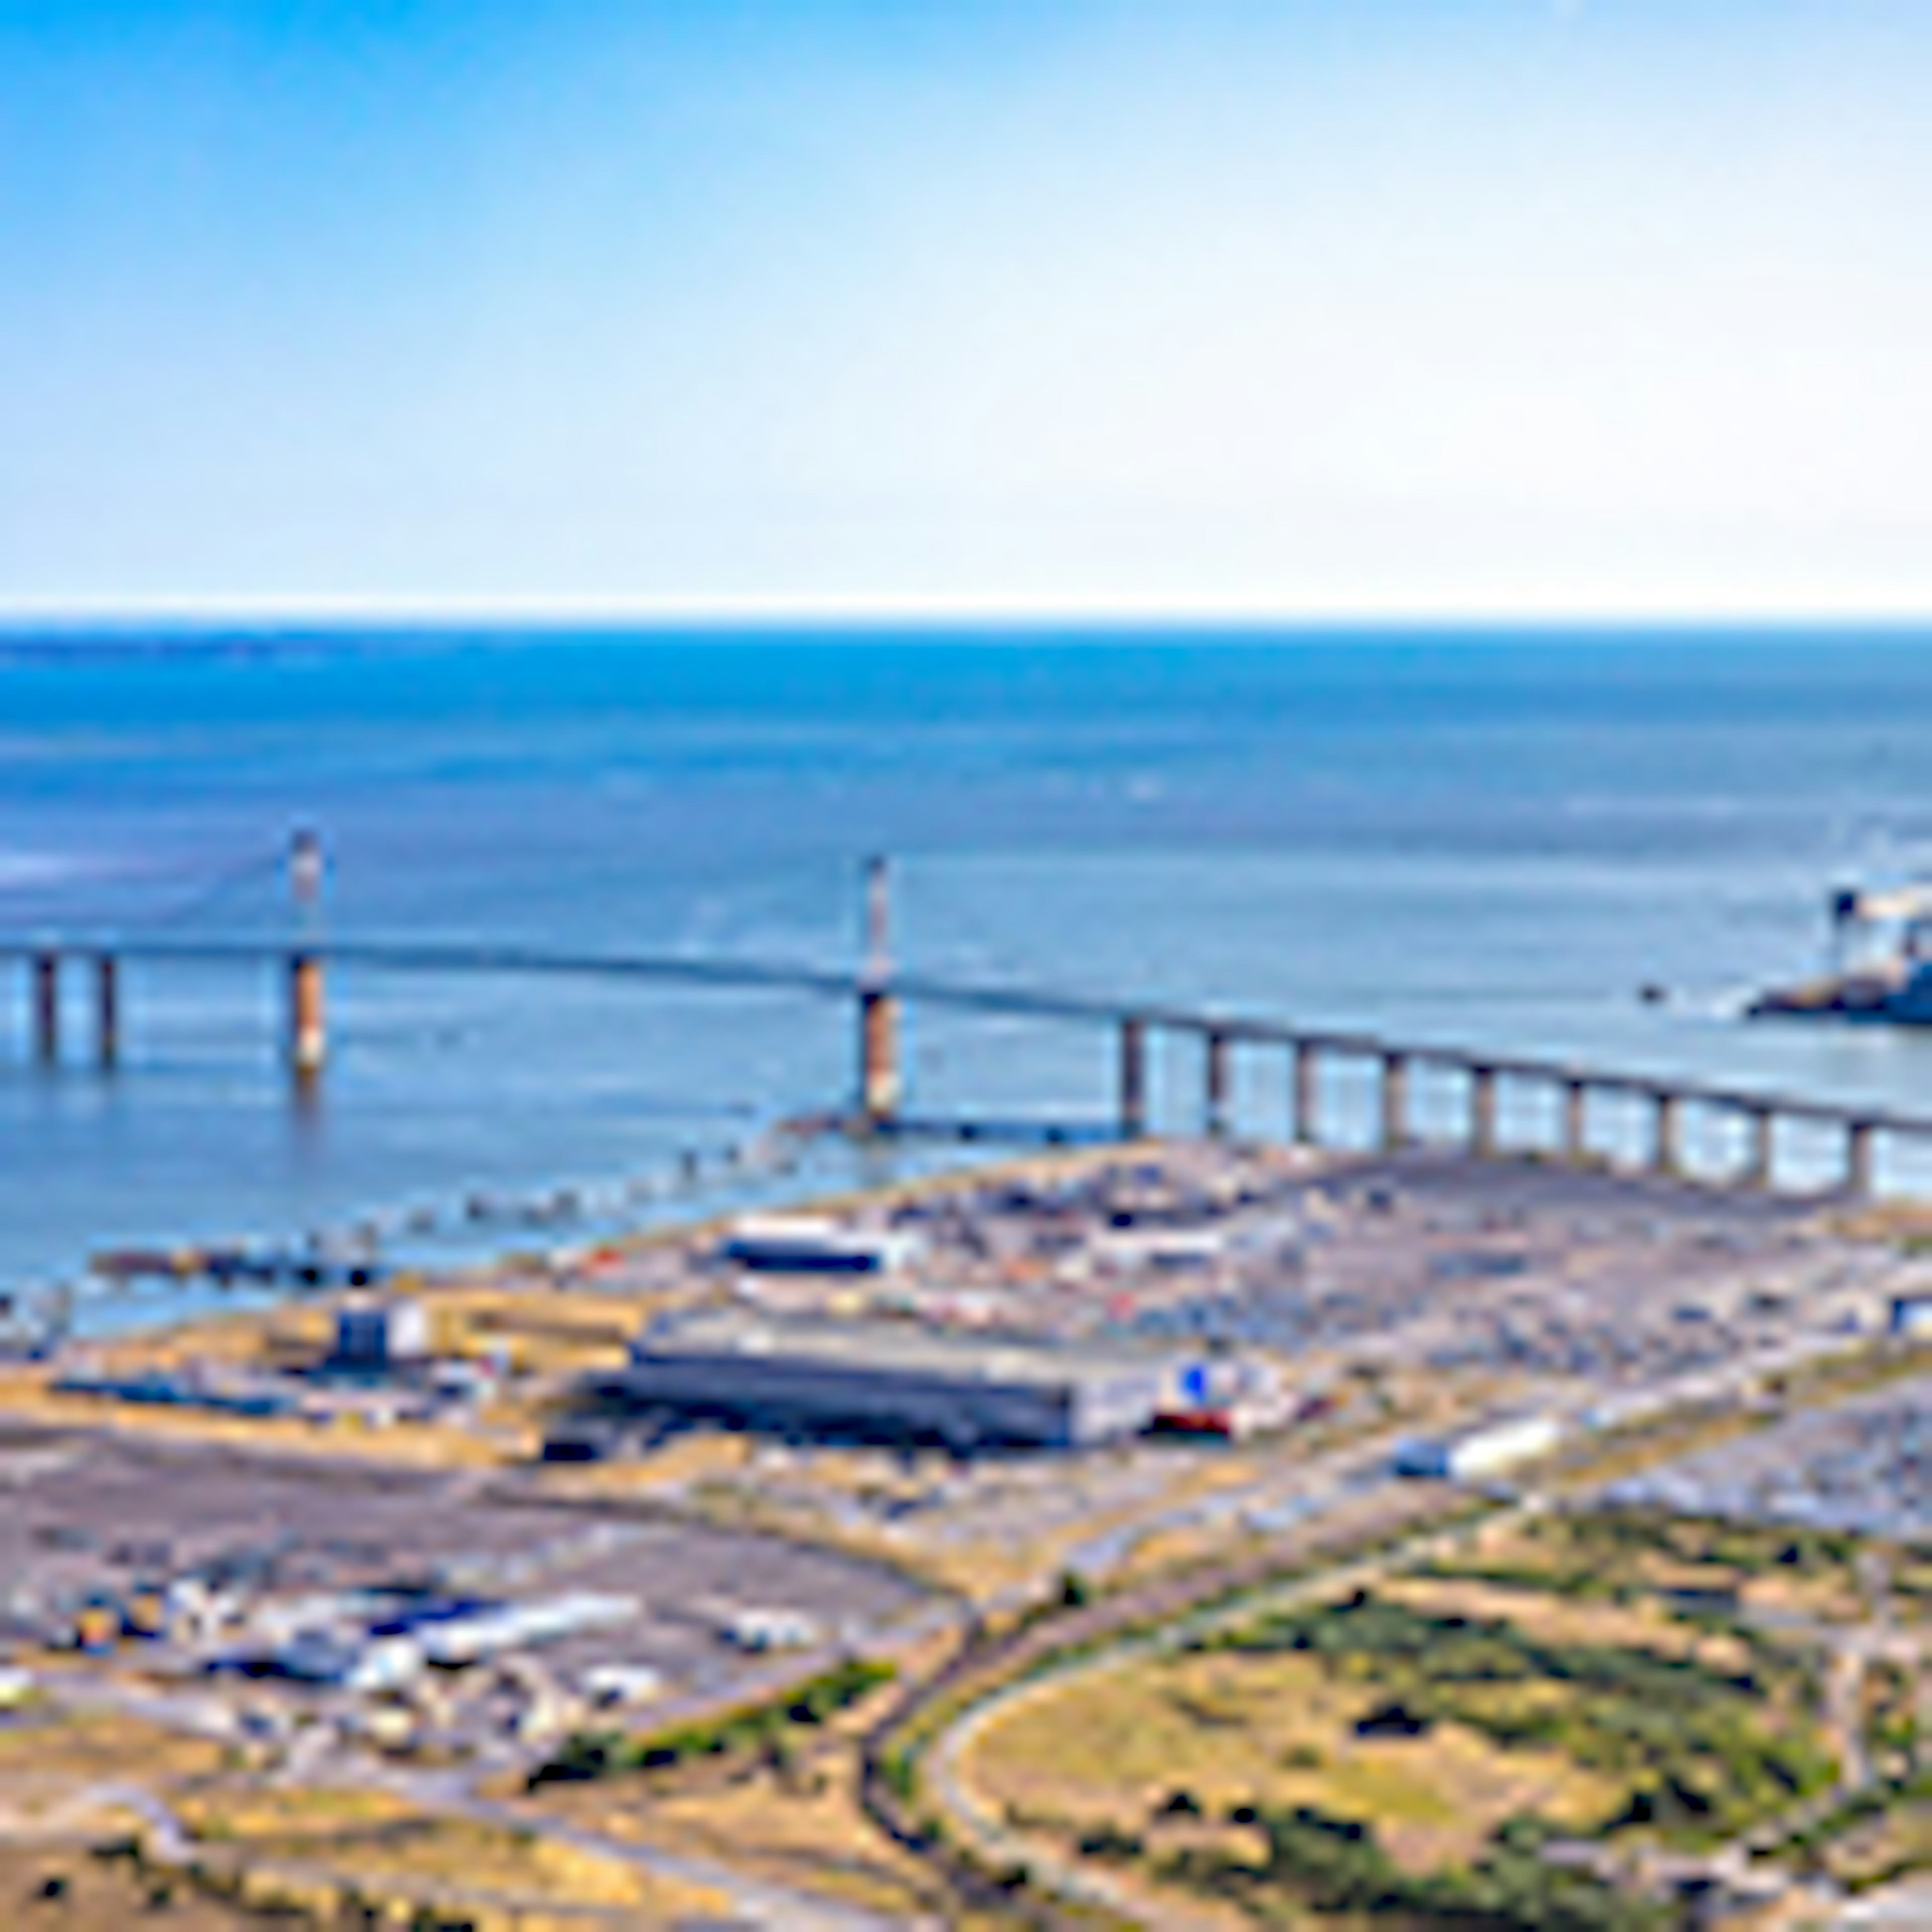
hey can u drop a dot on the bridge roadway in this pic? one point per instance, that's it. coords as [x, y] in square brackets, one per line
[1220, 1030]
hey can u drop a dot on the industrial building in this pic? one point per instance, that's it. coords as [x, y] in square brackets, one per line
[1481, 1453]
[379, 1336]
[812, 1244]
[885, 1379]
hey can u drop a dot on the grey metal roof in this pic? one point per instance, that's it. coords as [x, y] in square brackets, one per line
[888, 1346]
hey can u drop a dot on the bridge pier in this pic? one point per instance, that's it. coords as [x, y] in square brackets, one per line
[1483, 1110]
[878, 1056]
[1133, 1078]
[1305, 1101]
[1860, 1136]
[46, 998]
[1576, 1121]
[1216, 1072]
[106, 1009]
[1666, 1149]
[1760, 1155]
[308, 1030]
[879, 1083]
[1395, 1101]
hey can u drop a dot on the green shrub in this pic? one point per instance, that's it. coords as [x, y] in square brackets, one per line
[1334, 1865]
[1688, 1736]
[754, 1727]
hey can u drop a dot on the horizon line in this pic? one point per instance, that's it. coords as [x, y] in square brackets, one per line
[778, 613]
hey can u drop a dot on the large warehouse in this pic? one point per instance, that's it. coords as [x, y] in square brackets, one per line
[888, 1379]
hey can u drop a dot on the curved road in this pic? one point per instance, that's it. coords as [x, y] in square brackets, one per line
[974, 1821]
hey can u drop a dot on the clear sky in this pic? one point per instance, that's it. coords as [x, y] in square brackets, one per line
[1302, 307]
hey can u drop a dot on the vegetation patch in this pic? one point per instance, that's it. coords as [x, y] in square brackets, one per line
[1873, 1838]
[1334, 1865]
[1111, 1753]
[1700, 1752]
[761, 1729]
[1405, 1753]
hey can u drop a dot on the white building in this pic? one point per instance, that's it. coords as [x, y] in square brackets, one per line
[502, 1626]
[812, 1244]
[1480, 1453]
[379, 1335]
[760, 1629]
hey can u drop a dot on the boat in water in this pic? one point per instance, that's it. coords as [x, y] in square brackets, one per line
[1881, 962]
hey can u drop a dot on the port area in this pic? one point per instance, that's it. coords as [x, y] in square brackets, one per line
[451, 1554]
[1888, 992]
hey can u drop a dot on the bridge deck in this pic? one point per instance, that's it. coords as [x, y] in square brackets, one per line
[1022, 1002]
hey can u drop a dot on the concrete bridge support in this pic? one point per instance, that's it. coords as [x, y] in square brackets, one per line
[1395, 1101]
[106, 1009]
[1860, 1137]
[1305, 1103]
[879, 1088]
[880, 1085]
[1666, 1151]
[1483, 1110]
[1133, 1078]
[1575, 1119]
[46, 975]
[1760, 1147]
[1218, 1084]
[308, 1030]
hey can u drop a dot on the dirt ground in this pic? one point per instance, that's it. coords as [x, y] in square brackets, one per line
[1642, 1626]
[377, 1846]
[67, 1888]
[803, 1830]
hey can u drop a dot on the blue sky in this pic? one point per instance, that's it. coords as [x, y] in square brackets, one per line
[1306, 308]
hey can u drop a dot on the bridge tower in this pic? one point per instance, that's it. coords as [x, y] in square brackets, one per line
[879, 1085]
[308, 1027]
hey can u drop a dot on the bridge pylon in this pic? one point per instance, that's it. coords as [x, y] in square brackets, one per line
[880, 1087]
[308, 1025]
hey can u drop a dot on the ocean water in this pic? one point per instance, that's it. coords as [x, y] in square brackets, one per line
[1478, 841]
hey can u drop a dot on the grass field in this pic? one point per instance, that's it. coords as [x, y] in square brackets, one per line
[1417, 1742]
[322, 1847]
[1229, 1730]
[802, 1828]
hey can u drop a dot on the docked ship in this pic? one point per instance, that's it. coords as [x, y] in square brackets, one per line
[1881, 962]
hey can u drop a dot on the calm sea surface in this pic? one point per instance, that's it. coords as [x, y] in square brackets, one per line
[1453, 839]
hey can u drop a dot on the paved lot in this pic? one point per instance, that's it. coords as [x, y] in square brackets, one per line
[84, 1513]
[1863, 1465]
[1425, 1257]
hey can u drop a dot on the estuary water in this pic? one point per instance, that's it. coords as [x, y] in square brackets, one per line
[1472, 839]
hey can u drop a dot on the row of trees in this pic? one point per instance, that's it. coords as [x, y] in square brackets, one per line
[760, 1728]
[1338, 1865]
[1701, 1749]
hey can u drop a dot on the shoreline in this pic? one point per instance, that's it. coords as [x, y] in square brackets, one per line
[1425, 1292]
